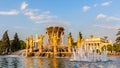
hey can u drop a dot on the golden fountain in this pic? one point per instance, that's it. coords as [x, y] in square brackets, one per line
[54, 48]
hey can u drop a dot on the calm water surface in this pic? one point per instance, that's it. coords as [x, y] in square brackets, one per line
[35, 62]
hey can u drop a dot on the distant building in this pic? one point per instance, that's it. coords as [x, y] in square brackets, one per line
[97, 43]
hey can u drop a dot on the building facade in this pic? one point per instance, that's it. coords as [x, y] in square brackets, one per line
[97, 43]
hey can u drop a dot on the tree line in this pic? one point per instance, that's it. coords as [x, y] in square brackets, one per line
[116, 46]
[8, 46]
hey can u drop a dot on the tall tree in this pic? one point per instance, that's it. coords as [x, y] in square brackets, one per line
[5, 43]
[16, 43]
[116, 46]
[118, 37]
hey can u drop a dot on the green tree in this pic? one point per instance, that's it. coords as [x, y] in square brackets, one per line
[118, 37]
[5, 46]
[11, 41]
[116, 47]
[22, 44]
[109, 48]
[16, 43]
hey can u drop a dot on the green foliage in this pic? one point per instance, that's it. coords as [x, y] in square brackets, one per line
[5, 44]
[109, 48]
[118, 37]
[11, 41]
[116, 47]
[22, 44]
[8, 46]
[15, 45]
[118, 40]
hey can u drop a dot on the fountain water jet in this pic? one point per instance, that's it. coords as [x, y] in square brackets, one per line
[91, 55]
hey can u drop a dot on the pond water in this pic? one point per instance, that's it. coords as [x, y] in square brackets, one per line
[36, 62]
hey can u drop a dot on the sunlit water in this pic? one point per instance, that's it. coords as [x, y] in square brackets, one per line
[36, 62]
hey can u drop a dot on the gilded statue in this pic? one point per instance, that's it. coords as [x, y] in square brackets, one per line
[55, 40]
[79, 40]
[41, 39]
[40, 42]
[27, 43]
[70, 40]
[31, 42]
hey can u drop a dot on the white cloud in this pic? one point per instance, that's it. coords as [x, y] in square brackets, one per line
[23, 6]
[86, 8]
[44, 17]
[36, 15]
[11, 12]
[101, 16]
[41, 16]
[107, 18]
[106, 3]
[108, 27]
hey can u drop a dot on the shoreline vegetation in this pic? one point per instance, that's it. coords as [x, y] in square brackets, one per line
[7, 47]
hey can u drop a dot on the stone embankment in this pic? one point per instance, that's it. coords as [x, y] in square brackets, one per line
[18, 52]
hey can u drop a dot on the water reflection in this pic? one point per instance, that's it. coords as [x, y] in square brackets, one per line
[15, 63]
[28, 62]
[36, 62]
[7, 62]
[4, 62]
[42, 62]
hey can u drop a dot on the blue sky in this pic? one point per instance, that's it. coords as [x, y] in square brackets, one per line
[31, 17]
